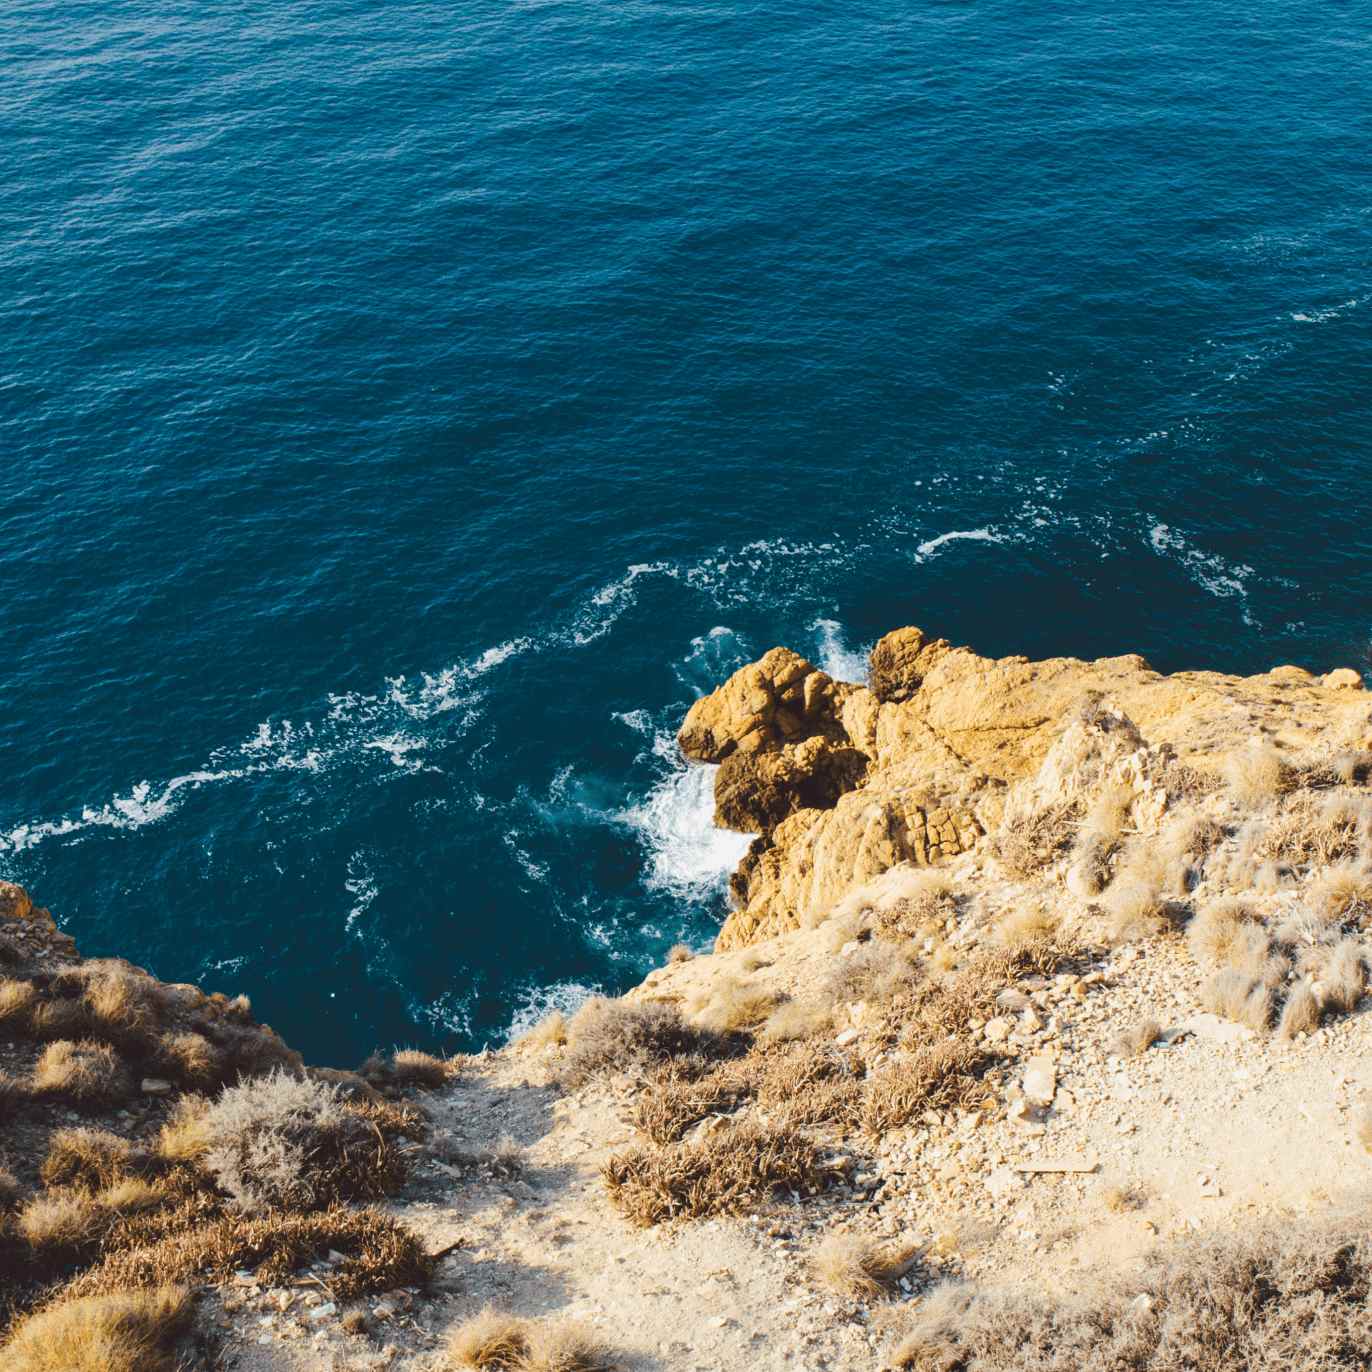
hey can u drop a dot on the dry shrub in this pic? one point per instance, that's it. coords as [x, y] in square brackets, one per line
[624, 1036]
[190, 1059]
[1294, 1297]
[1345, 978]
[935, 1077]
[489, 1341]
[130, 1331]
[1135, 1038]
[1135, 908]
[1216, 929]
[671, 1103]
[278, 1142]
[549, 1032]
[861, 1269]
[408, 1067]
[378, 1253]
[796, 1019]
[85, 1074]
[1313, 832]
[1027, 843]
[501, 1343]
[914, 902]
[93, 1158]
[59, 1226]
[807, 1083]
[1028, 927]
[18, 1000]
[1233, 995]
[1301, 1013]
[1256, 775]
[680, 952]
[725, 1174]
[728, 1004]
[875, 972]
[565, 1346]
[60, 1018]
[122, 1004]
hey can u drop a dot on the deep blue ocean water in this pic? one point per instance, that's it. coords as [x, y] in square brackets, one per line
[407, 409]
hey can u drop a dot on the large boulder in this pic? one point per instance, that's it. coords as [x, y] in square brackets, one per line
[755, 791]
[777, 700]
[14, 902]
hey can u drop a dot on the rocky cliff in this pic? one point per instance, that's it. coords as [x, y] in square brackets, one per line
[841, 782]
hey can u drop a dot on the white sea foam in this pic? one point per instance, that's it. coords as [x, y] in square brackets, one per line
[361, 885]
[688, 857]
[1329, 312]
[452, 1011]
[835, 657]
[1208, 570]
[536, 1003]
[931, 546]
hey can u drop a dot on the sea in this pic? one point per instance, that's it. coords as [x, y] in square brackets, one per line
[408, 409]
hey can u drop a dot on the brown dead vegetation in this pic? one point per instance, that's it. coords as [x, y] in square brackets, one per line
[861, 1269]
[1290, 1298]
[132, 1331]
[726, 1174]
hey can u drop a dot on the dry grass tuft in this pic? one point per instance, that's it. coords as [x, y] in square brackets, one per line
[725, 1174]
[1216, 930]
[624, 1036]
[93, 1158]
[60, 1225]
[796, 1019]
[18, 1000]
[190, 1059]
[1256, 775]
[680, 952]
[1028, 927]
[1135, 908]
[1120, 1200]
[565, 1346]
[1342, 894]
[729, 1004]
[875, 972]
[278, 1142]
[1294, 1297]
[490, 1341]
[1301, 1013]
[860, 1269]
[1345, 978]
[131, 1331]
[549, 1032]
[121, 1003]
[409, 1067]
[184, 1137]
[1236, 996]
[85, 1074]
[1135, 1038]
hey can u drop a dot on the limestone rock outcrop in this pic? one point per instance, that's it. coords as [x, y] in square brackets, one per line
[841, 782]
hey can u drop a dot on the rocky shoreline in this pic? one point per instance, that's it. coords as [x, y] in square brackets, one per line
[1040, 975]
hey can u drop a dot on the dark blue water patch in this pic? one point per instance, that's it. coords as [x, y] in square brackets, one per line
[409, 411]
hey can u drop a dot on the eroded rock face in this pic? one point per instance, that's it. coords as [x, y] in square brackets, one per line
[842, 782]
